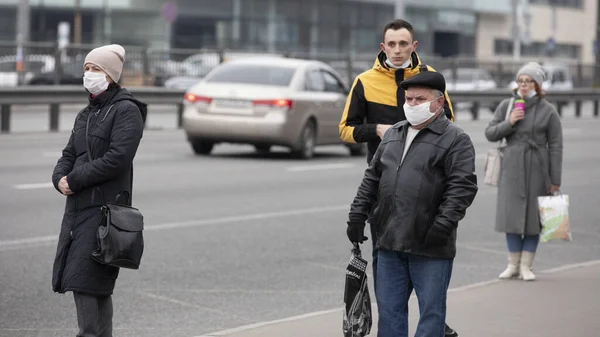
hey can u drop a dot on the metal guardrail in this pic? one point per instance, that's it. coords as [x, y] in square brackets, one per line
[54, 96]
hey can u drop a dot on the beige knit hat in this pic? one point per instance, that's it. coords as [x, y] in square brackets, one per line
[109, 58]
[535, 71]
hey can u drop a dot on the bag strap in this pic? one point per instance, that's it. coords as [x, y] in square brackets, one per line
[506, 117]
[89, 150]
[510, 103]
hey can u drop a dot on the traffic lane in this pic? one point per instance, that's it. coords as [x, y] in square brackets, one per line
[28, 150]
[249, 270]
[188, 180]
[185, 187]
[176, 192]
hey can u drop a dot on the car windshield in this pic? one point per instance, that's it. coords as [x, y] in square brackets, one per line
[252, 74]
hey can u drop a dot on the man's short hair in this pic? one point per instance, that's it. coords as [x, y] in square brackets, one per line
[437, 93]
[399, 24]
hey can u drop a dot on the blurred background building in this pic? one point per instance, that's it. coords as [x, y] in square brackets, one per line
[160, 34]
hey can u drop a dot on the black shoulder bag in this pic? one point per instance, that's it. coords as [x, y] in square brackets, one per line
[120, 232]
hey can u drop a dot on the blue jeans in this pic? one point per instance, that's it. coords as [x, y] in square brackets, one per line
[517, 243]
[397, 275]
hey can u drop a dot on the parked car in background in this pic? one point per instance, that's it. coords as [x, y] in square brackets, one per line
[9, 77]
[469, 79]
[70, 74]
[267, 101]
[181, 82]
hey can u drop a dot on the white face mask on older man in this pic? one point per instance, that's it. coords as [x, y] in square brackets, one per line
[94, 82]
[418, 114]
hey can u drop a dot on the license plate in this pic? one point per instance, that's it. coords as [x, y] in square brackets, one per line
[233, 104]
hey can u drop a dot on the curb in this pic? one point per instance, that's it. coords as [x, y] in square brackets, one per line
[562, 268]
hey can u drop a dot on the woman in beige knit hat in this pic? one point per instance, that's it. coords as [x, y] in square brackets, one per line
[111, 127]
[531, 166]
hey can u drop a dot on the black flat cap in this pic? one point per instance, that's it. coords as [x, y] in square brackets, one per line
[429, 79]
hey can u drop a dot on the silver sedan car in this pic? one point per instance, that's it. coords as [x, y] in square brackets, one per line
[267, 101]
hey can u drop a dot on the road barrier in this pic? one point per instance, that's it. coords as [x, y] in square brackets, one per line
[54, 96]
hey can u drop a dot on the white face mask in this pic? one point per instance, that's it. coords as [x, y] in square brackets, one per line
[418, 114]
[95, 83]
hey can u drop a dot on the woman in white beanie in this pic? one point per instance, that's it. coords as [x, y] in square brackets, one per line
[112, 125]
[531, 166]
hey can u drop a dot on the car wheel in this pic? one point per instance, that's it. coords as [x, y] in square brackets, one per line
[263, 148]
[201, 147]
[308, 139]
[357, 150]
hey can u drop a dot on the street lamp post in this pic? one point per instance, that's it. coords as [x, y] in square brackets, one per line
[23, 23]
[399, 11]
[77, 23]
[516, 31]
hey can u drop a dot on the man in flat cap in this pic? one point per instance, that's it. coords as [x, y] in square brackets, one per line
[423, 174]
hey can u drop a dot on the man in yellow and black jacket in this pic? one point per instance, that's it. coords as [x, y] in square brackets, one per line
[375, 101]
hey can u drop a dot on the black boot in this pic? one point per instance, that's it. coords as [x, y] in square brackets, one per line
[450, 332]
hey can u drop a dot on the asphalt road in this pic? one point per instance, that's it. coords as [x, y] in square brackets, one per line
[238, 238]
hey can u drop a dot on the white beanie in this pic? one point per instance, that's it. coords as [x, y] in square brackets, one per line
[109, 58]
[534, 70]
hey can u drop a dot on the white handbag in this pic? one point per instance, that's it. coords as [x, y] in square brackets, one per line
[493, 160]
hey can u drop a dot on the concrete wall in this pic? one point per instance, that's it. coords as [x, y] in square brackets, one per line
[573, 26]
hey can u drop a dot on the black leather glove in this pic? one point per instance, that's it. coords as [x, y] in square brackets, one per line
[437, 236]
[356, 231]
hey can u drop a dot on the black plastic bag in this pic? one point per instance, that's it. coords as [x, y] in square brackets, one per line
[358, 318]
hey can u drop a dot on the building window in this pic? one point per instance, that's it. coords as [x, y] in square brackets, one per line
[567, 50]
[559, 3]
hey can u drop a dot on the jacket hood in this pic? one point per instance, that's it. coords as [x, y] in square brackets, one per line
[114, 94]
[124, 95]
[380, 64]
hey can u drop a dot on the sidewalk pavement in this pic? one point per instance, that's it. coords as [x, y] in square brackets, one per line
[561, 302]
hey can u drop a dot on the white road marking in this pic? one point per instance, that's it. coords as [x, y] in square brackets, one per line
[33, 186]
[481, 249]
[28, 241]
[304, 168]
[191, 305]
[19, 243]
[241, 218]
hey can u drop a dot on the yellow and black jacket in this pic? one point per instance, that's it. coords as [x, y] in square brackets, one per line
[375, 98]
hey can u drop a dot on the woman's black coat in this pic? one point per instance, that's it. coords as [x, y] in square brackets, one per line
[116, 125]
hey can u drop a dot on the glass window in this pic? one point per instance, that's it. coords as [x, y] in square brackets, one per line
[288, 9]
[252, 74]
[315, 81]
[255, 8]
[505, 47]
[332, 84]
[8, 66]
[560, 3]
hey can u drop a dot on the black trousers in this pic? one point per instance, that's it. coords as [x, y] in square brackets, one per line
[94, 315]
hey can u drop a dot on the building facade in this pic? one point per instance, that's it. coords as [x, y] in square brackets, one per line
[560, 29]
[442, 27]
